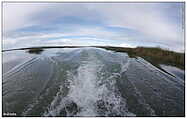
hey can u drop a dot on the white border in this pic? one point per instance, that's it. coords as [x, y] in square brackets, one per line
[85, 1]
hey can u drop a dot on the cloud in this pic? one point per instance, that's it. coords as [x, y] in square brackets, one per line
[94, 36]
[117, 23]
[146, 18]
[17, 15]
[127, 45]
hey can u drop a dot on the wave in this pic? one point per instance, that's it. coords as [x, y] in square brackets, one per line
[91, 82]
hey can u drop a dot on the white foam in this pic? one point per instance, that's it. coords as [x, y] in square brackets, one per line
[125, 66]
[87, 87]
[83, 90]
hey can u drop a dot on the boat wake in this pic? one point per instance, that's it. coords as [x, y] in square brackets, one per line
[91, 82]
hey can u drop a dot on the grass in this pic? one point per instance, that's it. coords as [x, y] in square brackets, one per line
[155, 55]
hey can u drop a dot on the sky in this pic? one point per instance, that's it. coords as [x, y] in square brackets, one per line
[87, 24]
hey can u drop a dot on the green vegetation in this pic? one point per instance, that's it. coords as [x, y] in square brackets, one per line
[155, 56]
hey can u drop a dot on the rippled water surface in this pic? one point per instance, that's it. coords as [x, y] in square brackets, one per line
[88, 82]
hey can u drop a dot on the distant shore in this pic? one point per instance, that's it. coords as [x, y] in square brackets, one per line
[154, 55]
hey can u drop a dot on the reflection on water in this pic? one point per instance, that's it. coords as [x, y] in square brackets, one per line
[87, 82]
[174, 70]
[13, 58]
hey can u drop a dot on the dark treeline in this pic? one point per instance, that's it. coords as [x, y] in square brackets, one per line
[154, 55]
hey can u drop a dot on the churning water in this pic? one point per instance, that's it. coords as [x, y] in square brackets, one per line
[88, 82]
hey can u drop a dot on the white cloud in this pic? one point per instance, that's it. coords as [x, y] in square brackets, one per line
[84, 36]
[17, 15]
[141, 17]
[127, 45]
[150, 19]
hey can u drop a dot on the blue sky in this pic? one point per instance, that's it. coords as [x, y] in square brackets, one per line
[114, 24]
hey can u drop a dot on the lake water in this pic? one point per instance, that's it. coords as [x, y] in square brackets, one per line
[88, 82]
